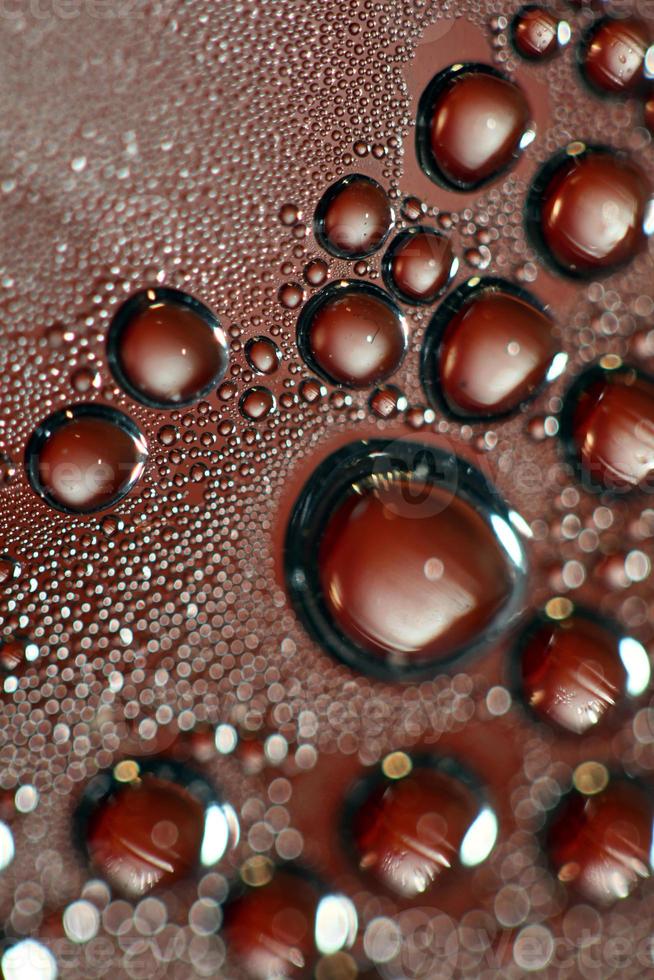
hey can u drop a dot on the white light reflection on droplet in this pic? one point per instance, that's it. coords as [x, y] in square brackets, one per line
[336, 924]
[480, 839]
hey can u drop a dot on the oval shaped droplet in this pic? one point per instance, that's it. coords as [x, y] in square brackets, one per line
[151, 823]
[607, 425]
[352, 334]
[166, 348]
[413, 832]
[353, 217]
[576, 672]
[472, 125]
[85, 458]
[418, 265]
[588, 210]
[418, 560]
[488, 349]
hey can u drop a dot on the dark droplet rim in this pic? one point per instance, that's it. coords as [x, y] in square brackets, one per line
[590, 376]
[104, 785]
[387, 266]
[583, 47]
[575, 150]
[435, 333]
[515, 680]
[533, 58]
[426, 105]
[138, 303]
[331, 291]
[329, 487]
[321, 211]
[89, 410]
[365, 785]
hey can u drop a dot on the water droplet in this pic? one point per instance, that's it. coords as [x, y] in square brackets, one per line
[586, 210]
[612, 55]
[353, 217]
[257, 403]
[488, 349]
[600, 844]
[376, 514]
[410, 832]
[418, 265]
[536, 34]
[352, 333]
[270, 928]
[263, 355]
[574, 672]
[290, 295]
[165, 348]
[315, 272]
[152, 823]
[608, 428]
[472, 124]
[387, 402]
[85, 458]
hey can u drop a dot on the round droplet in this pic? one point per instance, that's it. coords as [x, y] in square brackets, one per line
[587, 210]
[263, 355]
[488, 349]
[576, 671]
[411, 833]
[150, 823]
[353, 217]
[85, 380]
[16, 654]
[315, 272]
[612, 55]
[9, 568]
[601, 844]
[608, 428]
[85, 458]
[472, 124]
[165, 348]
[387, 402]
[417, 558]
[257, 403]
[537, 33]
[418, 265]
[352, 334]
[270, 928]
[290, 295]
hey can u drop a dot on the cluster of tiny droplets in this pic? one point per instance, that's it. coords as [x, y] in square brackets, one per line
[191, 151]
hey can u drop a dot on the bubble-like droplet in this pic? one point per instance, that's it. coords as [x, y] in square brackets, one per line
[353, 217]
[472, 124]
[587, 210]
[576, 671]
[316, 272]
[600, 844]
[381, 517]
[16, 654]
[85, 458]
[150, 823]
[607, 425]
[418, 265]
[270, 926]
[166, 348]
[387, 402]
[612, 55]
[488, 349]
[412, 831]
[257, 403]
[7, 469]
[290, 295]
[263, 355]
[537, 33]
[352, 333]
[85, 380]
